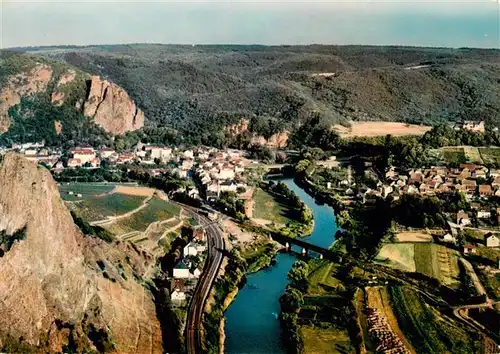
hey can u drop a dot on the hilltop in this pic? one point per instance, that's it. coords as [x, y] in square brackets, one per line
[49, 100]
[63, 291]
[200, 90]
[238, 95]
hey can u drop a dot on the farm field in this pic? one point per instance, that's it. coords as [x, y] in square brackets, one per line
[99, 207]
[408, 236]
[325, 340]
[378, 298]
[266, 207]
[430, 259]
[322, 275]
[87, 190]
[454, 154]
[425, 329]
[371, 129]
[490, 155]
[472, 154]
[398, 255]
[156, 210]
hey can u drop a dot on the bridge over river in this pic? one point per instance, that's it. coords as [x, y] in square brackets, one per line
[305, 248]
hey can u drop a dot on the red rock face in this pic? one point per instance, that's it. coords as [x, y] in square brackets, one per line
[32, 82]
[50, 276]
[112, 108]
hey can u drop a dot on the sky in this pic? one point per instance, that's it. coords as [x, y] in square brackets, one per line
[444, 23]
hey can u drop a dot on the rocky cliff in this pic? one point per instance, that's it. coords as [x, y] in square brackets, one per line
[59, 290]
[40, 82]
[17, 86]
[111, 107]
[278, 140]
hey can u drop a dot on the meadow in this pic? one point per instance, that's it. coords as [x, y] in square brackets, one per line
[266, 207]
[430, 259]
[95, 208]
[156, 210]
[424, 327]
[87, 190]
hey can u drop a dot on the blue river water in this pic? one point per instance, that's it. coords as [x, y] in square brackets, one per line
[252, 324]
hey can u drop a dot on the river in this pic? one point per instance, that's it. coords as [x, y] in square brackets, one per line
[252, 324]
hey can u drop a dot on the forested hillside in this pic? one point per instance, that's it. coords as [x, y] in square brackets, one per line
[195, 94]
[198, 90]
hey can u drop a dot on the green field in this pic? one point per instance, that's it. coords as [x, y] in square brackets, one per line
[87, 190]
[454, 154]
[425, 329]
[320, 275]
[472, 154]
[398, 255]
[268, 208]
[98, 208]
[430, 259]
[156, 210]
[490, 155]
[318, 340]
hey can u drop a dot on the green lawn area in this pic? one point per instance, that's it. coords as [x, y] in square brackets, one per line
[98, 208]
[472, 154]
[490, 155]
[268, 208]
[87, 190]
[319, 340]
[425, 329]
[156, 210]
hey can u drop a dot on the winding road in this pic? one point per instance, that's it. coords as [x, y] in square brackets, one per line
[213, 262]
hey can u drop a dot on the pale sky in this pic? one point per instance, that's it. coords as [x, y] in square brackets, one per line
[450, 23]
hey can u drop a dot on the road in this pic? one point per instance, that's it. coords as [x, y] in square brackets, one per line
[212, 264]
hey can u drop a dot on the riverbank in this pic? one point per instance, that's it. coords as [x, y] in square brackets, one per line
[227, 286]
[252, 320]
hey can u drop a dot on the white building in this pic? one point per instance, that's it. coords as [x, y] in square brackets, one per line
[160, 152]
[492, 241]
[178, 296]
[106, 153]
[188, 154]
[226, 172]
[193, 248]
[449, 238]
[483, 214]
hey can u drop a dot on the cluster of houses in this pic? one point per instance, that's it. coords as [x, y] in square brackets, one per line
[469, 179]
[36, 152]
[222, 173]
[186, 270]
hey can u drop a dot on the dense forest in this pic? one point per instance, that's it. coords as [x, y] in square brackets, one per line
[190, 94]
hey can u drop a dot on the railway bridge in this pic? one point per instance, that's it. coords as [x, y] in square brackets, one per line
[306, 248]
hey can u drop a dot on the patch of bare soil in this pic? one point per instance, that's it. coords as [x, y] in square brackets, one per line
[371, 129]
[134, 190]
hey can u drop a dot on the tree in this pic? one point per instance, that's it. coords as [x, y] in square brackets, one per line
[291, 300]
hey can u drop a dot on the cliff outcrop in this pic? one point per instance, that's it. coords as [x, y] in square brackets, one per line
[59, 290]
[111, 107]
[278, 140]
[17, 86]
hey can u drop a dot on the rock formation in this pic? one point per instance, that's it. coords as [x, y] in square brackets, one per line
[34, 81]
[57, 97]
[278, 140]
[60, 290]
[111, 107]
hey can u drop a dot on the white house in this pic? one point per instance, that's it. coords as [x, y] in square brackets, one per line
[106, 153]
[483, 214]
[178, 296]
[160, 152]
[226, 172]
[188, 154]
[449, 238]
[181, 270]
[492, 240]
[228, 186]
[193, 248]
